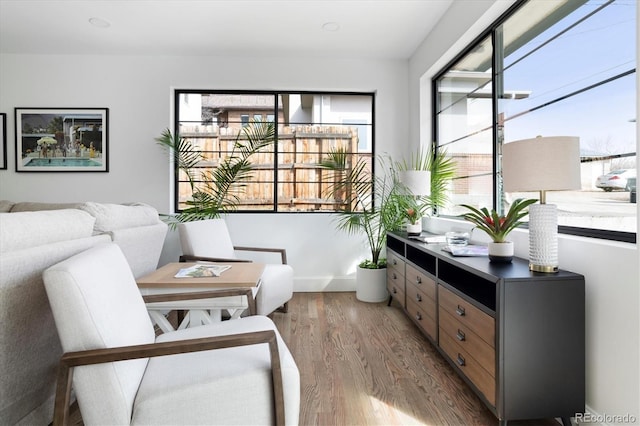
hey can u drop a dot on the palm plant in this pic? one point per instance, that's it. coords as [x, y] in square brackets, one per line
[379, 204]
[368, 203]
[442, 168]
[215, 191]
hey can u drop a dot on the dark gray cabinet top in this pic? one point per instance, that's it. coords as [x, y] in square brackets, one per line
[474, 276]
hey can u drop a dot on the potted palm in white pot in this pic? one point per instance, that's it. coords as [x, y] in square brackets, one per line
[380, 204]
[368, 205]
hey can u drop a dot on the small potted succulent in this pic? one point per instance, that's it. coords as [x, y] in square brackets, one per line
[498, 227]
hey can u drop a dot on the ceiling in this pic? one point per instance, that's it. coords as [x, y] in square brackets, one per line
[366, 29]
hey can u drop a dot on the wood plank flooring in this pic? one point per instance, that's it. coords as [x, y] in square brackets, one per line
[368, 364]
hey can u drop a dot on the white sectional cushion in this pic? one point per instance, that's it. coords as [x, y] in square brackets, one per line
[28, 338]
[141, 246]
[110, 217]
[30, 206]
[31, 229]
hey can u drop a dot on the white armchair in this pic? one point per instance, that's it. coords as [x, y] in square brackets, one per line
[233, 372]
[210, 240]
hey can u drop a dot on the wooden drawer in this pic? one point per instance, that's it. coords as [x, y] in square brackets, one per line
[395, 262]
[395, 275]
[485, 383]
[471, 317]
[422, 318]
[395, 285]
[421, 300]
[421, 281]
[468, 340]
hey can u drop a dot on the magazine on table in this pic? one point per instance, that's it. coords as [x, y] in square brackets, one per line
[468, 250]
[200, 270]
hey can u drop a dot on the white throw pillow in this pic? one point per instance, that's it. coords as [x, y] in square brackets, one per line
[110, 217]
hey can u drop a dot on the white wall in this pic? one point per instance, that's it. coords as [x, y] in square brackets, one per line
[138, 93]
[611, 269]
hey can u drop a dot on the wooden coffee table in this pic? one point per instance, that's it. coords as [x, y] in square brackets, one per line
[241, 275]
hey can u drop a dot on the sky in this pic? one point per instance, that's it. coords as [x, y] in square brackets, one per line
[602, 46]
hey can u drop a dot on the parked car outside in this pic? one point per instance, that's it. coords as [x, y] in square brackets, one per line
[617, 180]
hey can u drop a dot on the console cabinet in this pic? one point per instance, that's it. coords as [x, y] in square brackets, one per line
[395, 277]
[516, 337]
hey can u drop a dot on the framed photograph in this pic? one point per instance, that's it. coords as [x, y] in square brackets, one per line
[62, 140]
[3, 141]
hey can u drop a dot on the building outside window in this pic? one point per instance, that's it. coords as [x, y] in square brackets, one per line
[560, 68]
[286, 175]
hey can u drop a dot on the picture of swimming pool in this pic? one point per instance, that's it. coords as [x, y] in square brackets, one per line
[62, 162]
[62, 140]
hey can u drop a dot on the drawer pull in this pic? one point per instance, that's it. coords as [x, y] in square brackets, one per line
[461, 362]
[394, 276]
[394, 291]
[460, 335]
[418, 298]
[395, 262]
[418, 316]
[418, 280]
[460, 311]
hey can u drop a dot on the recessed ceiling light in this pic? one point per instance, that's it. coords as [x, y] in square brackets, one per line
[331, 26]
[99, 22]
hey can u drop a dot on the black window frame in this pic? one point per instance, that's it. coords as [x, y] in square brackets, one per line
[493, 33]
[177, 92]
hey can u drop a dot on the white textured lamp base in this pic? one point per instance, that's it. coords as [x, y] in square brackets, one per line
[543, 238]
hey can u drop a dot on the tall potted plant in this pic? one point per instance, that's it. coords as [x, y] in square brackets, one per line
[368, 205]
[376, 205]
[497, 227]
[215, 191]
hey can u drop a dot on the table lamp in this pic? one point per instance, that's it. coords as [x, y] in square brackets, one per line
[542, 164]
[418, 182]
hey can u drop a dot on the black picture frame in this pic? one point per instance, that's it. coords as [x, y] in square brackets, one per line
[3, 141]
[62, 139]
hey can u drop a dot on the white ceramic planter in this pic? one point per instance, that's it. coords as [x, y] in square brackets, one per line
[371, 285]
[414, 229]
[501, 252]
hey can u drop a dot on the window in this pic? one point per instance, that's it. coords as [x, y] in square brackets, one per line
[561, 68]
[286, 176]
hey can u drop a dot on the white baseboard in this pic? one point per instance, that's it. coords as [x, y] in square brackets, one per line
[320, 284]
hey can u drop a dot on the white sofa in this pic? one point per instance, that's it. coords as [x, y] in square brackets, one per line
[34, 236]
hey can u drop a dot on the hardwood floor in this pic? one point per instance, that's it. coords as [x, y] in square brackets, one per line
[367, 364]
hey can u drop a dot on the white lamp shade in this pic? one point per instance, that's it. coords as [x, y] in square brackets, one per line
[416, 181]
[541, 164]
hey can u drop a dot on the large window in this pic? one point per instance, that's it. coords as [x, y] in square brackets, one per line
[548, 68]
[286, 175]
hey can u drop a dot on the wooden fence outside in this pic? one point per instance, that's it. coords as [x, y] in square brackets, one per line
[302, 183]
